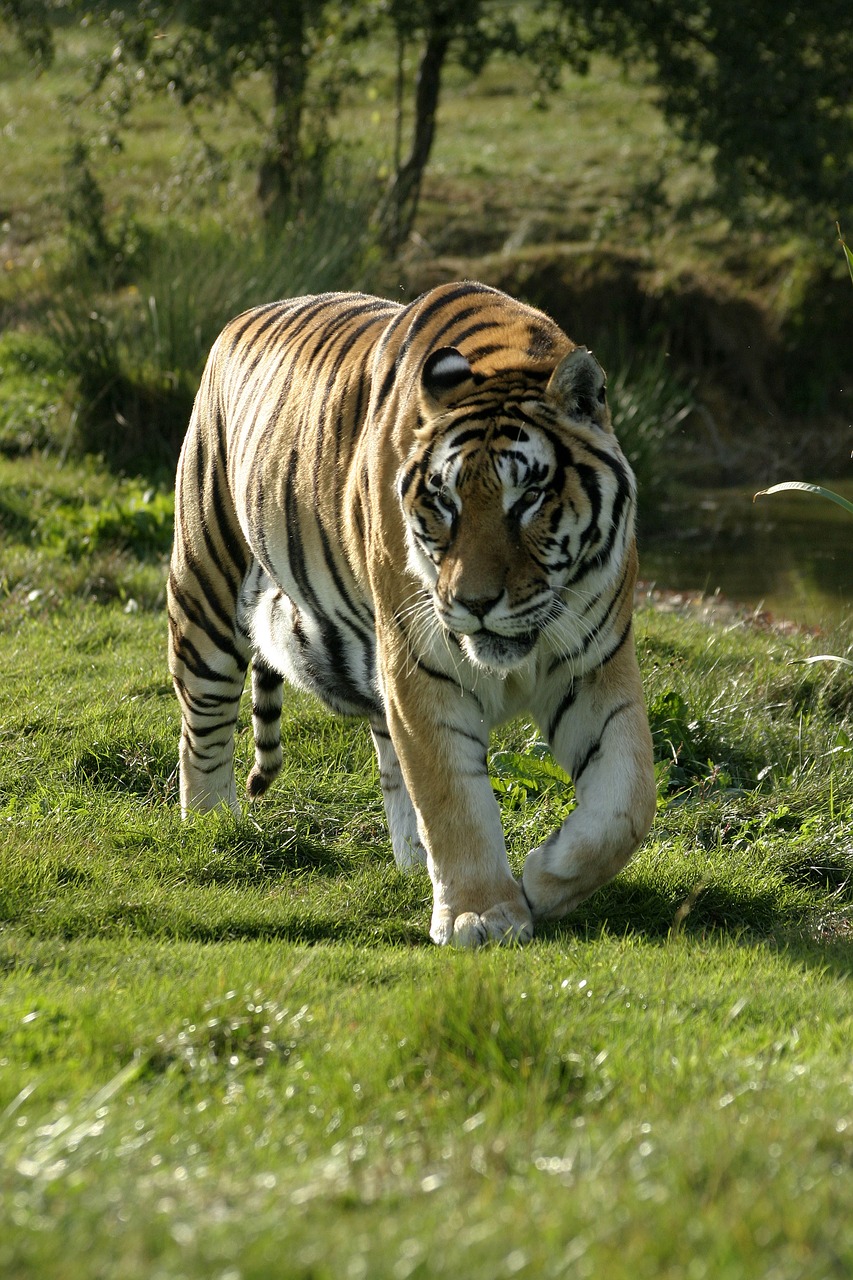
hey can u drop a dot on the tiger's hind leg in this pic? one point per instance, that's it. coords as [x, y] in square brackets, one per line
[267, 696]
[208, 665]
[208, 658]
[406, 842]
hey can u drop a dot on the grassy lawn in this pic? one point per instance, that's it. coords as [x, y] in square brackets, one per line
[228, 1049]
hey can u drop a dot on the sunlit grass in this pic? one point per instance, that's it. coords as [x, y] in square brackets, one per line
[228, 1047]
[605, 1103]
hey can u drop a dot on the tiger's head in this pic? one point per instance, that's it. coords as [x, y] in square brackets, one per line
[518, 503]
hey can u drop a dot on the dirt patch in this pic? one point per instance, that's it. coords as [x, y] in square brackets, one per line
[714, 610]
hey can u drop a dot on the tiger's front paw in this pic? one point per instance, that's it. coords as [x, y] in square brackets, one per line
[506, 923]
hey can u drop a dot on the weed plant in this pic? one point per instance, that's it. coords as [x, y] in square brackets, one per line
[648, 406]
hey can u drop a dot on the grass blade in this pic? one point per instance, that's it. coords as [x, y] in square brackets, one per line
[791, 485]
[848, 253]
[826, 657]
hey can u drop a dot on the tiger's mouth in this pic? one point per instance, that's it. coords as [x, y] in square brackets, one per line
[488, 649]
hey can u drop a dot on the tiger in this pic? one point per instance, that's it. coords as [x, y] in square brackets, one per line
[420, 513]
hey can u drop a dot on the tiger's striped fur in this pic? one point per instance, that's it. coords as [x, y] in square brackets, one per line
[422, 514]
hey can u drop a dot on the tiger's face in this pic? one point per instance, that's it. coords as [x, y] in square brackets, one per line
[512, 497]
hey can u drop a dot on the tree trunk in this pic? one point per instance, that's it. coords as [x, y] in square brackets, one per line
[397, 212]
[282, 164]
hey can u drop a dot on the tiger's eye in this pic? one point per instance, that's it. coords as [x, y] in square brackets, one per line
[531, 497]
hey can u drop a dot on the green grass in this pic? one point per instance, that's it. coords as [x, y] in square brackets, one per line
[599, 1107]
[228, 1048]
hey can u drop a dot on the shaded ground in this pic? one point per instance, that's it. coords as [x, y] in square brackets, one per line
[769, 397]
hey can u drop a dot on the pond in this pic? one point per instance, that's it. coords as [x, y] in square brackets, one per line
[790, 554]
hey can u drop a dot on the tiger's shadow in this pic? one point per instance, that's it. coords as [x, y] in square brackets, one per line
[708, 914]
[358, 896]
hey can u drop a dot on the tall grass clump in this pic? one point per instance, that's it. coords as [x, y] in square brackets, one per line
[648, 406]
[136, 354]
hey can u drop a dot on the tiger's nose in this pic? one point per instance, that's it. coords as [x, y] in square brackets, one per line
[479, 606]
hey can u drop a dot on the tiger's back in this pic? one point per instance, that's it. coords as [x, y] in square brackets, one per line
[310, 540]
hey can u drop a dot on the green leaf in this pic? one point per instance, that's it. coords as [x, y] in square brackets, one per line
[827, 657]
[791, 485]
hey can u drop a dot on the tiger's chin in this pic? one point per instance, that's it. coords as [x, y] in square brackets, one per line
[497, 653]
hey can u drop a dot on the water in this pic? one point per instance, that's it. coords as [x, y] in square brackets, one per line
[790, 554]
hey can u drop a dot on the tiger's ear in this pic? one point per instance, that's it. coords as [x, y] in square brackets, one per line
[445, 373]
[579, 386]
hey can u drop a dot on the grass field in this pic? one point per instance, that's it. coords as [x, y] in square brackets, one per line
[229, 1050]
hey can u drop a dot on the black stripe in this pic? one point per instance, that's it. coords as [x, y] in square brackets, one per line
[249, 318]
[196, 613]
[594, 749]
[435, 674]
[486, 349]
[566, 703]
[194, 662]
[205, 467]
[265, 678]
[334, 646]
[463, 733]
[232, 538]
[258, 420]
[207, 704]
[205, 730]
[480, 325]
[594, 634]
[288, 356]
[355, 607]
[342, 357]
[267, 715]
[608, 657]
[257, 348]
[464, 435]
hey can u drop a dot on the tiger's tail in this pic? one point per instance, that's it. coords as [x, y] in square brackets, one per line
[267, 693]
